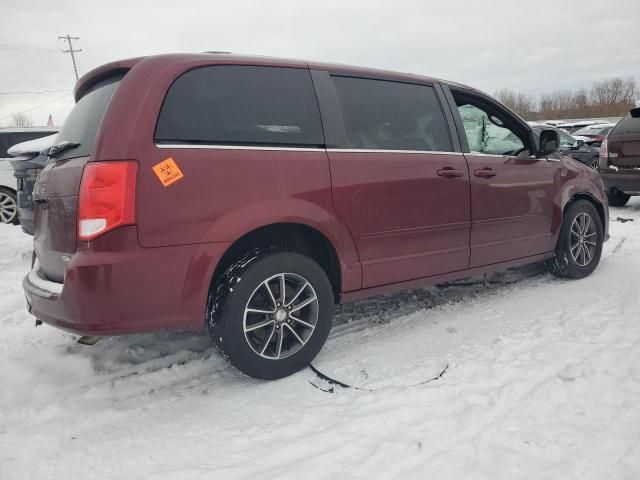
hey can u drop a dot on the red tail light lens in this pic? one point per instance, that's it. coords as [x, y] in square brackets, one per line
[107, 197]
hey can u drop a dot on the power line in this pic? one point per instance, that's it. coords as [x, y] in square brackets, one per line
[37, 106]
[27, 63]
[4, 46]
[68, 38]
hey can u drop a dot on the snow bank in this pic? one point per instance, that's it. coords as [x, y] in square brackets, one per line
[543, 382]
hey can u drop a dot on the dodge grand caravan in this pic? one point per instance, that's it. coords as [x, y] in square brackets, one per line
[249, 194]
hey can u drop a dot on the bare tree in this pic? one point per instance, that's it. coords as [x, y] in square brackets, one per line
[517, 101]
[613, 97]
[19, 119]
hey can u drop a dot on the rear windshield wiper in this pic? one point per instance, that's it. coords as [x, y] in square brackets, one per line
[61, 147]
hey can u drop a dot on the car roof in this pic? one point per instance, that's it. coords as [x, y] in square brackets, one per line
[95, 75]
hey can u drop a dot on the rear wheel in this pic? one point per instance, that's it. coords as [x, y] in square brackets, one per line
[618, 199]
[580, 241]
[8, 207]
[270, 314]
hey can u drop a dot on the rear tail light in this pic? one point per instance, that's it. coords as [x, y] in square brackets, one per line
[107, 197]
[603, 162]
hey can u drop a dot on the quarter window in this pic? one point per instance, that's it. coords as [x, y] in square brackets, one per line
[241, 105]
[387, 115]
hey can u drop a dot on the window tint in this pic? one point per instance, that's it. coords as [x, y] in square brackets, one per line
[8, 140]
[81, 126]
[387, 115]
[628, 124]
[241, 105]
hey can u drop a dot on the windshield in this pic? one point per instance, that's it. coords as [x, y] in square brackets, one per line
[593, 130]
[566, 140]
[81, 126]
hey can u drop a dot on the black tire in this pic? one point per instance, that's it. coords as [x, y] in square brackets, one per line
[564, 263]
[6, 193]
[226, 315]
[618, 199]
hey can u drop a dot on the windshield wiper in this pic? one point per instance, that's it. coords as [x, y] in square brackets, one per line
[61, 147]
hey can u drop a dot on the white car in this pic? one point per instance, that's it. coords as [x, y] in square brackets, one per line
[8, 183]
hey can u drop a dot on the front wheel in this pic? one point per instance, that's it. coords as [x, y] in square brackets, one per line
[618, 199]
[270, 314]
[579, 246]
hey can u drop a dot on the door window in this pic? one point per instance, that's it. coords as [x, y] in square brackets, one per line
[385, 115]
[242, 105]
[489, 130]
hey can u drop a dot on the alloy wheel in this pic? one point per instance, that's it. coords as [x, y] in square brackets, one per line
[280, 316]
[8, 208]
[582, 243]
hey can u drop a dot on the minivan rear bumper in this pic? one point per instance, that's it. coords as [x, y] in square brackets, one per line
[113, 286]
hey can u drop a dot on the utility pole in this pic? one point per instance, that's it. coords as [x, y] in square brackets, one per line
[68, 38]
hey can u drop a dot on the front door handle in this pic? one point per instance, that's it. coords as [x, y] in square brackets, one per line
[449, 172]
[486, 172]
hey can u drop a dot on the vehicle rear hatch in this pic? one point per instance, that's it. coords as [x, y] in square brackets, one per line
[624, 141]
[56, 190]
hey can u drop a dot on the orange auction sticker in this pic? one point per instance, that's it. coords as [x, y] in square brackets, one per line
[168, 171]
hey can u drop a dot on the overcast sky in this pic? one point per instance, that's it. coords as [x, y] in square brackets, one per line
[531, 46]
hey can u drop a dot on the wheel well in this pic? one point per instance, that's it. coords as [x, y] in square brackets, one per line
[585, 196]
[287, 237]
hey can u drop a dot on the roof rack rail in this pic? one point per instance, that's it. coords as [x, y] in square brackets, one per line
[215, 51]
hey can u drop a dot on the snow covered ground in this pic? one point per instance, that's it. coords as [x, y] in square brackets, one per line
[543, 381]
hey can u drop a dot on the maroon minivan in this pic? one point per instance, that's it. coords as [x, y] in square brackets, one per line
[250, 194]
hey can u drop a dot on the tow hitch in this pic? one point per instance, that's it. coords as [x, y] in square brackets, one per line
[88, 340]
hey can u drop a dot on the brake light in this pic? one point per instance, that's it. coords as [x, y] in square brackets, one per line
[107, 197]
[604, 150]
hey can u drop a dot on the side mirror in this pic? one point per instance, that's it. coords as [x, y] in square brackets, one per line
[635, 112]
[549, 142]
[579, 143]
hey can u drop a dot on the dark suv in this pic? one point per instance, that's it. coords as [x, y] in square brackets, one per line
[620, 159]
[250, 194]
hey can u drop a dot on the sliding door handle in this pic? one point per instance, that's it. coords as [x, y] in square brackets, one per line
[449, 172]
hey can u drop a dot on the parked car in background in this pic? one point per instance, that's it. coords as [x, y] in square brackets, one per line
[8, 183]
[27, 159]
[250, 194]
[571, 127]
[620, 159]
[572, 147]
[593, 134]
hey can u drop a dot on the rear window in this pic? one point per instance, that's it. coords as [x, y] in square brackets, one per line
[241, 105]
[628, 124]
[8, 140]
[386, 115]
[83, 122]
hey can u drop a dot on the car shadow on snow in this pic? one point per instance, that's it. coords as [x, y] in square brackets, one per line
[135, 355]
